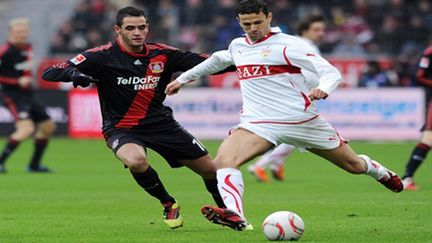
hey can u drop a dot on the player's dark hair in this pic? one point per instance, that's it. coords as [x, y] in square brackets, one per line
[129, 11]
[306, 22]
[252, 7]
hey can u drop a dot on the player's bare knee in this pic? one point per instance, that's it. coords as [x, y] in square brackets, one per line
[135, 162]
[50, 127]
[24, 132]
[47, 128]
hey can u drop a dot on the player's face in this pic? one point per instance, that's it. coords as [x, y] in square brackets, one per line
[256, 26]
[19, 34]
[315, 32]
[133, 31]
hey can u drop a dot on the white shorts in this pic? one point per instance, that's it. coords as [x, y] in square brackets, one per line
[317, 133]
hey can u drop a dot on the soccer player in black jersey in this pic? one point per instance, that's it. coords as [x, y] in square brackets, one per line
[15, 80]
[131, 76]
[420, 151]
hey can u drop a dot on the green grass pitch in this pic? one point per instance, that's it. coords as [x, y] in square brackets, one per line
[91, 198]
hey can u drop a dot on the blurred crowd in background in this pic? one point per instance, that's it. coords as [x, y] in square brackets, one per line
[397, 30]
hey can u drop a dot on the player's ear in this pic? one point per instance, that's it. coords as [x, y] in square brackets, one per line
[117, 29]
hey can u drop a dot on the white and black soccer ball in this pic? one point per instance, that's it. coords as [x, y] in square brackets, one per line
[283, 225]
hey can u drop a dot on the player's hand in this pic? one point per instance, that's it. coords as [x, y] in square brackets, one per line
[25, 82]
[81, 79]
[173, 87]
[317, 94]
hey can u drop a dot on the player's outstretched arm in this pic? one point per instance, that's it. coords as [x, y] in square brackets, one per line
[68, 74]
[317, 94]
[173, 87]
[219, 61]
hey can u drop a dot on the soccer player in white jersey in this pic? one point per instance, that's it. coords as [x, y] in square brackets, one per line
[277, 108]
[311, 29]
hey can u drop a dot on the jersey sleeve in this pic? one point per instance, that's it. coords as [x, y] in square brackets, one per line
[216, 63]
[424, 72]
[185, 60]
[329, 76]
[3, 59]
[89, 63]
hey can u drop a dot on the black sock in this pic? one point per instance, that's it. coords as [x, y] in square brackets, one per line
[9, 148]
[417, 156]
[39, 148]
[150, 182]
[211, 186]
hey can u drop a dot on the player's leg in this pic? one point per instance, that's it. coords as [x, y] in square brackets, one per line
[273, 159]
[418, 155]
[205, 167]
[45, 127]
[19, 106]
[279, 156]
[344, 157]
[23, 129]
[240, 147]
[133, 155]
[258, 169]
[322, 139]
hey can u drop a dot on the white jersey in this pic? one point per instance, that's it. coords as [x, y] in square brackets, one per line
[312, 79]
[273, 88]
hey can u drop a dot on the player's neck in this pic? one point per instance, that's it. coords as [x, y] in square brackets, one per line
[132, 49]
[16, 43]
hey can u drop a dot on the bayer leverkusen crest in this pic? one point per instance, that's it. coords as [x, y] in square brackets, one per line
[156, 67]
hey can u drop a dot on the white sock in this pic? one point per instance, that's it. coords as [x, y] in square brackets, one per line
[374, 169]
[231, 186]
[263, 162]
[275, 157]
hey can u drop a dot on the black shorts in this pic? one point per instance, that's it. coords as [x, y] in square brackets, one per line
[22, 106]
[173, 144]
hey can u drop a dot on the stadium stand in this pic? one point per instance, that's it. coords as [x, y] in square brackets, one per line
[358, 30]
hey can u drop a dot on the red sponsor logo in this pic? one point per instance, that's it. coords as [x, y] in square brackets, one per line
[254, 71]
[78, 59]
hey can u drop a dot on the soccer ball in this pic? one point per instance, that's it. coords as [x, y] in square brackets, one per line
[283, 225]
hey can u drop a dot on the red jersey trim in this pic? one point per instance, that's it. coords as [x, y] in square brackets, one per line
[100, 48]
[160, 46]
[306, 99]
[10, 104]
[8, 80]
[428, 51]
[4, 48]
[123, 49]
[286, 58]
[421, 77]
[284, 123]
[260, 40]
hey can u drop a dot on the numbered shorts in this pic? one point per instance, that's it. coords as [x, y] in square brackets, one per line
[316, 133]
[22, 106]
[173, 144]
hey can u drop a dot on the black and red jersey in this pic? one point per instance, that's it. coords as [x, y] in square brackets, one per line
[424, 72]
[132, 85]
[15, 62]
